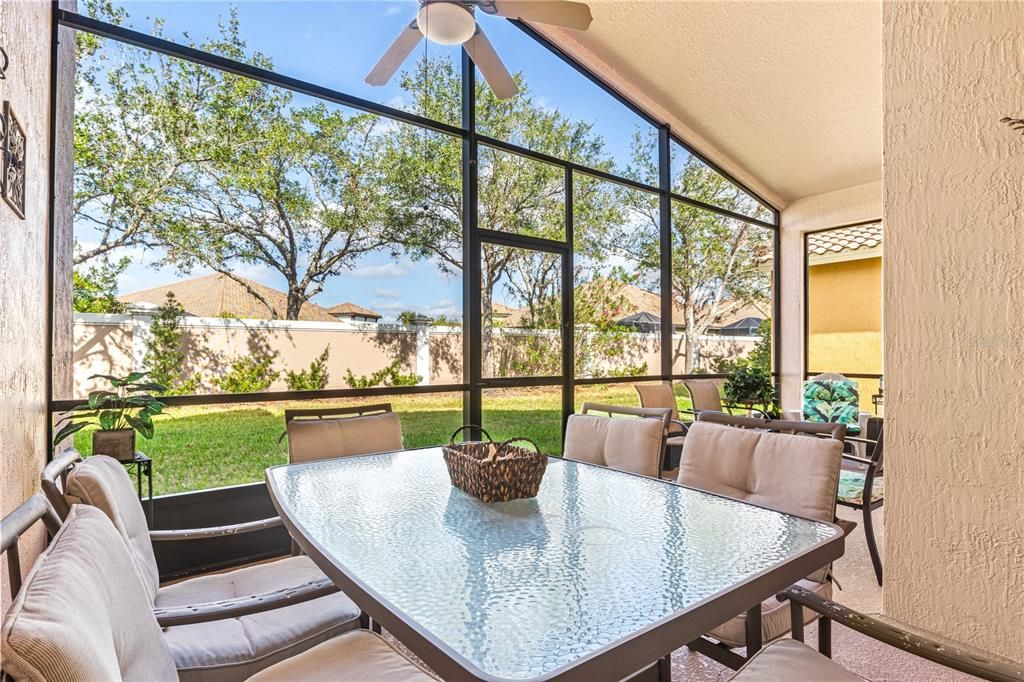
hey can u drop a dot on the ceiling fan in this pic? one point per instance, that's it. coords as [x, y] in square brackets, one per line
[451, 22]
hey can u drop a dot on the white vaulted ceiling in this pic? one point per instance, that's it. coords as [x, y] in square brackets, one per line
[786, 95]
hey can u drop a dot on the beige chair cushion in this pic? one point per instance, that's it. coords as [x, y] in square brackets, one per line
[313, 439]
[357, 656]
[788, 659]
[791, 473]
[235, 648]
[82, 614]
[102, 482]
[775, 618]
[658, 395]
[704, 394]
[628, 444]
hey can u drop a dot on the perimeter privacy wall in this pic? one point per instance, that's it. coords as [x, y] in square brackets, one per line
[954, 292]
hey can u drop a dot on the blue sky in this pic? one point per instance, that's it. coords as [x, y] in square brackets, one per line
[335, 44]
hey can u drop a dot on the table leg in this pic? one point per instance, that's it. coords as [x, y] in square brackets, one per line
[754, 642]
[665, 669]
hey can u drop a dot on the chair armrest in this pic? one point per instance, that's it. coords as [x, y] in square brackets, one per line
[923, 647]
[243, 606]
[684, 428]
[858, 460]
[214, 531]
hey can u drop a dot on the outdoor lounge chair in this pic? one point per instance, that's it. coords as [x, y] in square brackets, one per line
[704, 397]
[222, 626]
[81, 615]
[360, 430]
[776, 464]
[791, 659]
[633, 445]
[834, 398]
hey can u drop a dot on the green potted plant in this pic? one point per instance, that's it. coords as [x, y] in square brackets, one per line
[751, 386]
[119, 413]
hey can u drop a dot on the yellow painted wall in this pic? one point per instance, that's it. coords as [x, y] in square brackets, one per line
[845, 321]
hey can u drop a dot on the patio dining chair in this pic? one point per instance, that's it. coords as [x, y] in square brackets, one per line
[77, 617]
[777, 464]
[223, 626]
[633, 445]
[664, 396]
[834, 398]
[791, 659]
[863, 490]
[704, 397]
[326, 433]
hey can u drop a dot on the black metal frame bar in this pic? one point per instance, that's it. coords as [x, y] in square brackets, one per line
[473, 237]
[807, 298]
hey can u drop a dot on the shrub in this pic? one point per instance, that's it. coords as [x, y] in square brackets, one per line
[750, 384]
[389, 376]
[250, 374]
[313, 379]
[165, 353]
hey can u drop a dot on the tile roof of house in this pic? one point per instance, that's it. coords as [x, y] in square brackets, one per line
[347, 308]
[845, 239]
[217, 295]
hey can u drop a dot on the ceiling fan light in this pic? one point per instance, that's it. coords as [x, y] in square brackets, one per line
[447, 23]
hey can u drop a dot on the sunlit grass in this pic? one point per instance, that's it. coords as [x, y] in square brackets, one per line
[218, 445]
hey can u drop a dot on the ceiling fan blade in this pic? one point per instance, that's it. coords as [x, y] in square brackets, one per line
[556, 12]
[486, 59]
[382, 72]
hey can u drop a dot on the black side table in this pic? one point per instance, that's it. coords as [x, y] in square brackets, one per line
[142, 466]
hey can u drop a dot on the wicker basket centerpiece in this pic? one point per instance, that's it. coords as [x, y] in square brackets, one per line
[495, 472]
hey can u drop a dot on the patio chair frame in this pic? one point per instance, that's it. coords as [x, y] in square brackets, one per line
[59, 467]
[873, 470]
[322, 412]
[942, 653]
[14, 525]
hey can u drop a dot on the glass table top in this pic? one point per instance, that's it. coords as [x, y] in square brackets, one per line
[522, 588]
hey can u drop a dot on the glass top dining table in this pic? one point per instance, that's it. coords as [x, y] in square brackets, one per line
[597, 577]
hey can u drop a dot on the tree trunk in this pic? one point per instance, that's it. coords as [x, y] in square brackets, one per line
[690, 341]
[295, 301]
[486, 325]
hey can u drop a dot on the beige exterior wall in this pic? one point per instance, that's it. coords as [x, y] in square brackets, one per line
[114, 344]
[851, 205]
[954, 308]
[24, 34]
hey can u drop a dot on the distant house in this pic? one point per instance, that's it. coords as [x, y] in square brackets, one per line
[218, 295]
[350, 312]
[640, 309]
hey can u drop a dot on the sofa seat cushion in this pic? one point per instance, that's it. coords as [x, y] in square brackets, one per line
[356, 656]
[788, 659]
[236, 648]
[775, 618]
[851, 487]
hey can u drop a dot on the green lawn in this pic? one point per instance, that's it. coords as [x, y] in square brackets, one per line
[211, 446]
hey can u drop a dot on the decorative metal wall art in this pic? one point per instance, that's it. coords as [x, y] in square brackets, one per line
[12, 144]
[4, 62]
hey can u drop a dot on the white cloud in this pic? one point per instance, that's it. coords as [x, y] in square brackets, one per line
[380, 271]
[386, 293]
[392, 10]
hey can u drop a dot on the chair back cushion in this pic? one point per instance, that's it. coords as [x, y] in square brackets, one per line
[627, 444]
[658, 395]
[100, 481]
[82, 614]
[313, 439]
[795, 474]
[704, 394]
[831, 398]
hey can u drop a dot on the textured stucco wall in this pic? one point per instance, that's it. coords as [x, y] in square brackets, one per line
[24, 33]
[850, 205]
[954, 309]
